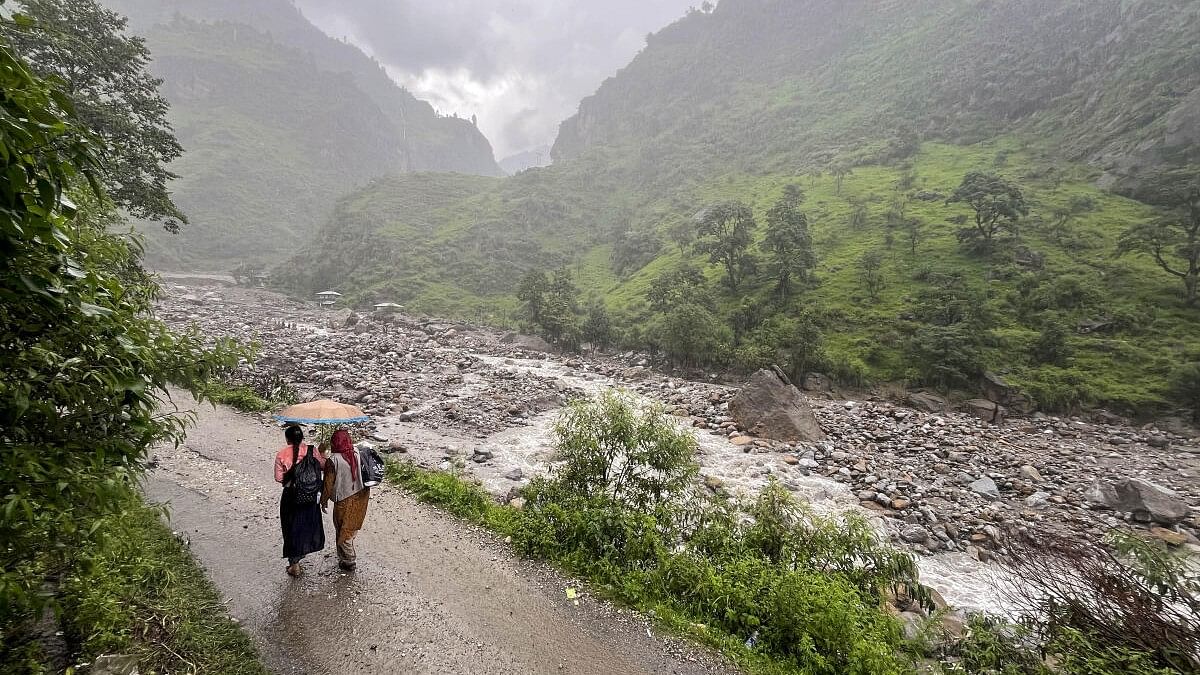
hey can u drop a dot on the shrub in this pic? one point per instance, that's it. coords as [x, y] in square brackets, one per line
[1185, 387]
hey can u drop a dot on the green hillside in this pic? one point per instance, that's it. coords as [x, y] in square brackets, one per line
[877, 110]
[278, 121]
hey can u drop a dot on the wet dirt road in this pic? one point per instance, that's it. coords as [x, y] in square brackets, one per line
[431, 595]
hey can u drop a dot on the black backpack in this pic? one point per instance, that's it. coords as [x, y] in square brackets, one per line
[371, 466]
[307, 478]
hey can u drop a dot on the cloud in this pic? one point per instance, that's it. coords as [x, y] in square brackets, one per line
[520, 65]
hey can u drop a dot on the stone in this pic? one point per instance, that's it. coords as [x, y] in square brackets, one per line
[517, 503]
[741, 440]
[928, 401]
[1170, 537]
[914, 534]
[988, 411]
[1030, 473]
[816, 382]
[985, 486]
[791, 459]
[996, 390]
[1037, 500]
[395, 446]
[900, 504]
[515, 474]
[713, 483]
[115, 664]
[809, 463]
[1145, 500]
[531, 343]
[636, 373]
[771, 407]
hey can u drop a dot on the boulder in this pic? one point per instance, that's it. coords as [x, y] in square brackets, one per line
[985, 486]
[988, 411]
[1145, 500]
[996, 390]
[531, 343]
[816, 382]
[928, 401]
[769, 406]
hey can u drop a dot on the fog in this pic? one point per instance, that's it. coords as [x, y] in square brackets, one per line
[521, 66]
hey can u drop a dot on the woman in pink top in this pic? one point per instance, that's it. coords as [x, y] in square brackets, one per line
[303, 531]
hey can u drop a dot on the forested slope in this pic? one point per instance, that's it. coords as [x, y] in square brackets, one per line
[278, 120]
[877, 111]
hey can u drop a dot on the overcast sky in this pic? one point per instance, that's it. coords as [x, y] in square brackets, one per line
[520, 65]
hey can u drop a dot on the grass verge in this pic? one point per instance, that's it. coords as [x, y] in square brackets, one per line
[139, 592]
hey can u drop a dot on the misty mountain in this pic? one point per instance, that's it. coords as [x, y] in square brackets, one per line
[528, 159]
[278, 120]
[877, 110]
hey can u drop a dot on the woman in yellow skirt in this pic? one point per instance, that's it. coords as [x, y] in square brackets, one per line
[343, 483]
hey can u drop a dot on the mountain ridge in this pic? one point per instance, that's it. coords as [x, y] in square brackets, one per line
[333, 117]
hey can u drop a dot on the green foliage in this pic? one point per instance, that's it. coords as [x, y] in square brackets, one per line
[795, 343]
[634, 249]
[140, 592]
[239, 397]
[946, 356]
[783, 591]
[787, 243]
[680, 286]
[871, 264]
[691, 335]
[550, 307]
[725, 232]
[610, 449]
[998, 204]
[104, 72]
[1173, 240]
[82, 361]
[1185, 387]
[1051, 346]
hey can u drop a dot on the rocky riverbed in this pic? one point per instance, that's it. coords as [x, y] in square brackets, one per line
[951, 486]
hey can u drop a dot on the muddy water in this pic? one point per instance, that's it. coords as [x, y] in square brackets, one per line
[430, 594]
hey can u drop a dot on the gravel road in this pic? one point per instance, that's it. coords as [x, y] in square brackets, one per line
[431, 594]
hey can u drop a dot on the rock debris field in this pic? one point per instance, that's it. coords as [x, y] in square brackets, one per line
[948, 485]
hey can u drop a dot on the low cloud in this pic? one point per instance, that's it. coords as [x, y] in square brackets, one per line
[521, 66]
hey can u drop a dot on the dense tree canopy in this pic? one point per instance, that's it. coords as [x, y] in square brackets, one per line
[83, 365]
[105, 76]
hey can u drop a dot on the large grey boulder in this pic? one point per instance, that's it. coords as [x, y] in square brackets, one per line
[928, 401]
[988, 411]
[530, 343]
[771, 407]
[1145, 500]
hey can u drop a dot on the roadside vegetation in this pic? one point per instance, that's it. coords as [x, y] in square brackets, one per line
[780, 589]
[82, 367]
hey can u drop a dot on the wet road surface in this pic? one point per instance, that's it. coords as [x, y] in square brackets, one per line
[431, 595]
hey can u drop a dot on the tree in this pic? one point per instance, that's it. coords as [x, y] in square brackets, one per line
[682, 234]
[531, 291]
[634, 249]
[597, 328]
[1173, 240]
[83, 364]
[691, 335]
[913, 230]
[871, 265]
[998, 206]
[105, 77]
[1063, 215]
[1185, 387]
[946, 356]
[684, 284]
[725, 233]
[859, 216]
[839, 170]
[787, 243]
[1051, 346]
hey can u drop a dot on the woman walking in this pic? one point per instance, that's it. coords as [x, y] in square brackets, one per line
[299, 472]
[343, 482]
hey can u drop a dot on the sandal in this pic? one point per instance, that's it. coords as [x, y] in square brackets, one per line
[294, 570]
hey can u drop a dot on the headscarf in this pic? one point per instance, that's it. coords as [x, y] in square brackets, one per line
[342, 445]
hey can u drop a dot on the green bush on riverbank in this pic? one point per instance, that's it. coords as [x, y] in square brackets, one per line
[773, 586]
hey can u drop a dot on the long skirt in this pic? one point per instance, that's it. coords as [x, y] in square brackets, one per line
[348, 516]
[303, 531]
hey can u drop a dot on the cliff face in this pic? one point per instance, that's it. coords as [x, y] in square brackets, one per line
[1112, 83]
[278, 121]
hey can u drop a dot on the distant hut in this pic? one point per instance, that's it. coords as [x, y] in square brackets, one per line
[328, 298]
[388, 308]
